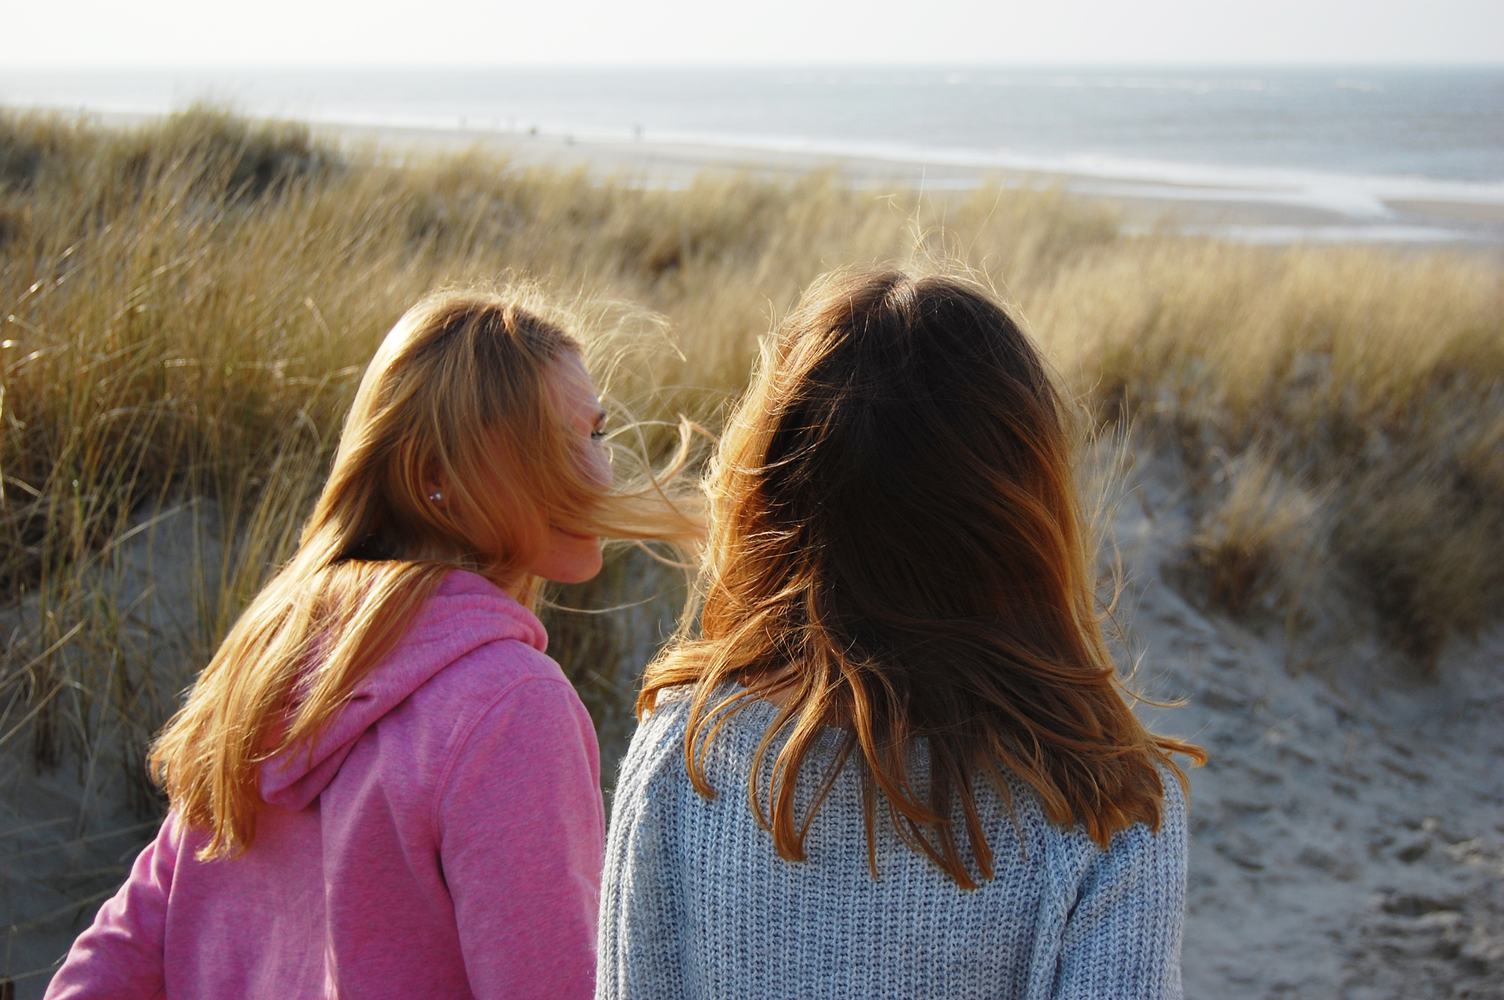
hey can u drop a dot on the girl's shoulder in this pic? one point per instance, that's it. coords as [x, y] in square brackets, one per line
[657, 746]
[470, 642]
[501, 663]
[1161, 848]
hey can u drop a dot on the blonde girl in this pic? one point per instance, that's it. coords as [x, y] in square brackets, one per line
[894, 759]
[381, 785]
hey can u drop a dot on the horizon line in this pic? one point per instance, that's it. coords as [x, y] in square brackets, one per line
[702, 64]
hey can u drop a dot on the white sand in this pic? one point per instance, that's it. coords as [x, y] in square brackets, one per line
[1348, 833]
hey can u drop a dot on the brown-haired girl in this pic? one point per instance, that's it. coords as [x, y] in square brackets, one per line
[381, 786]
[931, 782]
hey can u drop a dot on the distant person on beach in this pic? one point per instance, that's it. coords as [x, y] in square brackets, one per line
[381, 786]
[894, 758]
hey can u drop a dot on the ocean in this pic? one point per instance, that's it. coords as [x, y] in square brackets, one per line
[1351, 142]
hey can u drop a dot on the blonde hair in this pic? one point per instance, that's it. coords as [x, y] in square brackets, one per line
[456, 394]
[896, 547]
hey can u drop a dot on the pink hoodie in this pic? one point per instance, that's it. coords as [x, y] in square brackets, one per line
[444, 840]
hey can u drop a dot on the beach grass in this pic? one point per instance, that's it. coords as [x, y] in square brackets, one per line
[186, 306]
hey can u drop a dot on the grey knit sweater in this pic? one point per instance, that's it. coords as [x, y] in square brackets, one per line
[697, 904]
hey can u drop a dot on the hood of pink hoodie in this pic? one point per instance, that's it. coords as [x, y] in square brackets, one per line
[464, 613]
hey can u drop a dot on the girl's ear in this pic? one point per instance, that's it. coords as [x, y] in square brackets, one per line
[434, 482]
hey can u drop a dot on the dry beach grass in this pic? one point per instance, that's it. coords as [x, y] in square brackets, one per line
[186, 307]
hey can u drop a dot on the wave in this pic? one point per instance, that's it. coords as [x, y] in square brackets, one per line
[1281, 235]
[1361, 196]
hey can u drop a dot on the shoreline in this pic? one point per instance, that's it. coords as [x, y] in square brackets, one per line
[1273, 214]
[1230, 213]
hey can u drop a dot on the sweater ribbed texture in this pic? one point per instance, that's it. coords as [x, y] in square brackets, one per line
[697, 904]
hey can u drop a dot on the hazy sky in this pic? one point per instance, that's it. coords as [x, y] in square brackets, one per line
[503, 32]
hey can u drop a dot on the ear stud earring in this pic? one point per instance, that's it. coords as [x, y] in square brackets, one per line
[436, 496]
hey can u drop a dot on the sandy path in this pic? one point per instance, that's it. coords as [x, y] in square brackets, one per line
[1348, 833]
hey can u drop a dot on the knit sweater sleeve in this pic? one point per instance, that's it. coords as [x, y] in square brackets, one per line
[1122, 935]
[641, 918]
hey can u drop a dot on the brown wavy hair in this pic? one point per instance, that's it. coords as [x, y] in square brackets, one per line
[897, 548]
